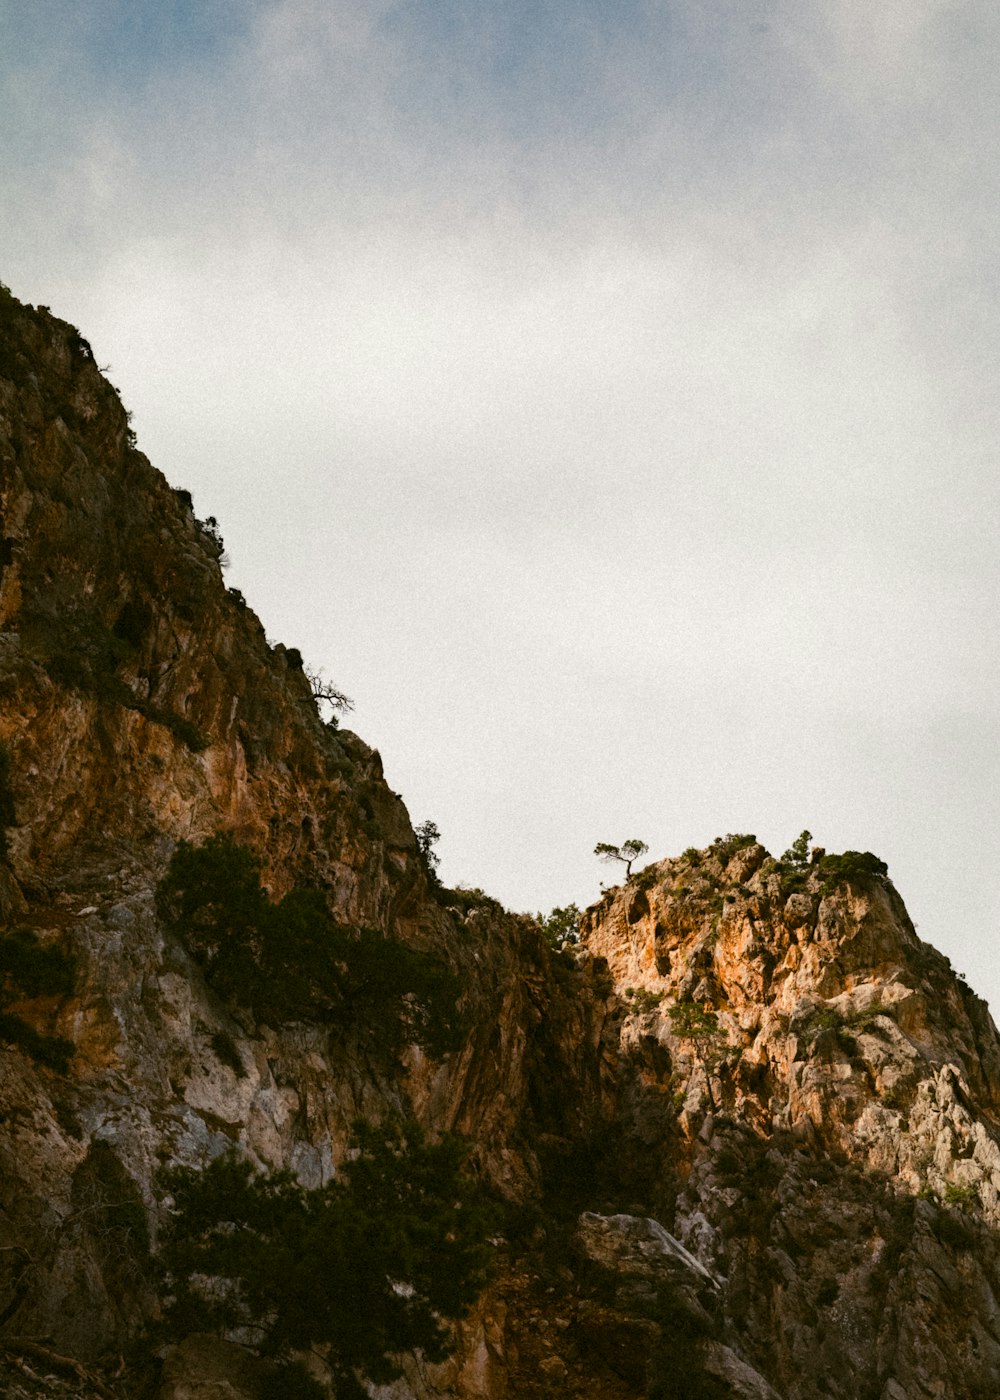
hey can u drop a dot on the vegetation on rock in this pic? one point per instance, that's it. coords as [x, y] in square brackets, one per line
[691, 1021]
[797, 855]
[325, 693]
[809, 1105]
[561, 925]
[627, 852]
[428, 836]
[292, 962]
[79, 651]
[466, 899]
[851, 867]
[725, 847]
[372, 1264]
[29, 970]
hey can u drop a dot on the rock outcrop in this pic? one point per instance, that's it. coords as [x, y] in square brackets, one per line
[747, 1130]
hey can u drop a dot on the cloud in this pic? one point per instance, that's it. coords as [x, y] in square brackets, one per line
[604, 396]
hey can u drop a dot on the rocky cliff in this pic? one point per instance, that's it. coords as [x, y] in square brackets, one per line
[745, 1131]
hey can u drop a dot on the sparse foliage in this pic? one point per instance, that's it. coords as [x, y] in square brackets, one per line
[428, 836]
[692, 1022]
[958, 1194]
[644, 1000]
[371, 1265]
[325, 693]
[793, 867]
[725, 847]
[467, 899]
[29, 970]
[292, 962]
[699, 1026]
[212, 536]
[561, 926]
[797, 855]
[850, 867]
[627, 852]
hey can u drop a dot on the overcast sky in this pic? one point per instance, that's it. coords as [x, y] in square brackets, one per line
[604, 395]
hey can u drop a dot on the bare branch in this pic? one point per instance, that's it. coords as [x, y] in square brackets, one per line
[326, 693]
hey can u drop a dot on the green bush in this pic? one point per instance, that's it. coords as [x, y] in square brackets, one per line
[825, 1018]
[560, 926]
[370, 1265]
[798, 852]
[793, 867]
[401, 995]
[852, 868]
[212, 537]
[725, 847]
[955, 1195]
[212, 897]
[691, 1021]
[292, 962]
[467, 900]
[29, 970]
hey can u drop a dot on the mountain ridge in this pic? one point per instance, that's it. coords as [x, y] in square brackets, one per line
[747, 1131]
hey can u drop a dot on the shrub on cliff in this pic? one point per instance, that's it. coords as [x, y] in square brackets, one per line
[691, 1021]
[292, 962]
[466, 899]
[797, 855]
[850, 867]
[370, 1265]
[725, 847]
[428, 836]
[29, 970]
[561, 926]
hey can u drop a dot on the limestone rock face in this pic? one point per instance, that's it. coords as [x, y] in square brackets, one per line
[835, 1088]
[747, 1132]
[141, 704]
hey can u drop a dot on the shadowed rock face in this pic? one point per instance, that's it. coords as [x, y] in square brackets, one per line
[748, 1129]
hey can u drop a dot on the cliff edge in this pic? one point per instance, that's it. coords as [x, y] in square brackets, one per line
[742, 1134]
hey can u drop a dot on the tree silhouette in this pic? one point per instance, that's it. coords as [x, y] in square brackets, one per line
[627, 852]
[326, 693]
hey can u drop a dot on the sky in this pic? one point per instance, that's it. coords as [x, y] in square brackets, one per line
[602, 396]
